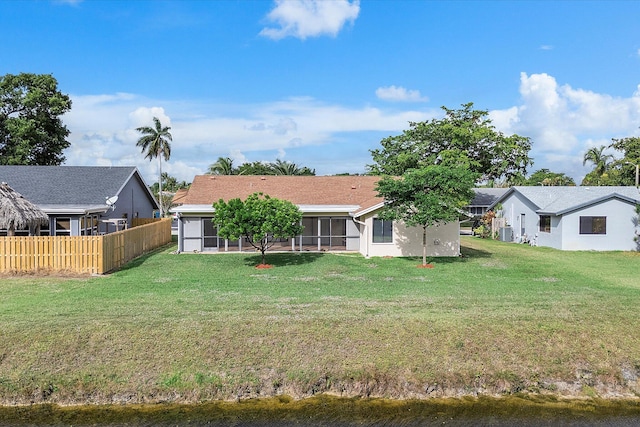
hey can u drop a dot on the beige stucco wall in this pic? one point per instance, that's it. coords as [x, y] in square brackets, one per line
[442, 241]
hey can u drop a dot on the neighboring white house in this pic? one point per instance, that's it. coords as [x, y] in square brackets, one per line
[339, 214]
[574, 218]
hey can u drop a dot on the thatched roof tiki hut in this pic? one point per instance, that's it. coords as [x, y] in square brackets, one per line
[17, 213]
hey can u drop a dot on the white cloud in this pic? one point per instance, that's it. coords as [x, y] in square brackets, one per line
[309, 18]
[103, 132]
[564, 122]
[546, 47]
[398, 93]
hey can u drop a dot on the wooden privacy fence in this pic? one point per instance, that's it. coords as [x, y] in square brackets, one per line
[81, 254]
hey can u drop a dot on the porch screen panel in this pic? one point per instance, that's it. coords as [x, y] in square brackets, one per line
[210, 233]
[310, 233]
[325, 232]
[339, 233]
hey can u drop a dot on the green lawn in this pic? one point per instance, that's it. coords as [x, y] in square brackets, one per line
[504, 318]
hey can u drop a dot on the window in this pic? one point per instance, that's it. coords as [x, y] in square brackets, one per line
[593, 225]
[63, 227]
[545, 223]
[382, 231]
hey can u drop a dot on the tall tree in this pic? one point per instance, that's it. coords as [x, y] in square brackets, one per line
[630, 162]
[154, 142]
[170, 185]
[600, 160]
[255, 168]
[31, 131]
[463, 138]
[280, 167]
[426, 197]
[547, 178]
[222, 166]
[260, 219]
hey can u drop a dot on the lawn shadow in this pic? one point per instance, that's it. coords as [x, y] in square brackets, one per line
[283, 259]
[468, 252]
[138, 261]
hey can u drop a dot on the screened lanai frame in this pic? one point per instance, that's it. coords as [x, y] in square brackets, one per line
[320, 234]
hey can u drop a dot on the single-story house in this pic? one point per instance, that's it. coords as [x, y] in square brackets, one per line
[82, 200]
[484, 197]
[339, 214]
[573, 218]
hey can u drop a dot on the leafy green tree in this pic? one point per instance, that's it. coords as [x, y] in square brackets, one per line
[31, 131]
[547, 178]
[222, 166]
[630, 148]
[463, 138]
[426, 197]
[255, 168]
[155, 143]
[260, 219]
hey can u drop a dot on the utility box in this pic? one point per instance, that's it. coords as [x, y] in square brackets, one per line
[505, 234]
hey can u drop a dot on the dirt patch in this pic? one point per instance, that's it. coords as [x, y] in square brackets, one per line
[264, 266]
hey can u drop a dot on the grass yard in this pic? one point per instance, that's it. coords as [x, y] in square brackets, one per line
[502, 319]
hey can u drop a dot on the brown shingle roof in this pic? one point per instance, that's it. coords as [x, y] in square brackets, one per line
[180, 194]
[300, 190]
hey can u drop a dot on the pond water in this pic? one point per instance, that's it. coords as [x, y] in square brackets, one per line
[325, 411]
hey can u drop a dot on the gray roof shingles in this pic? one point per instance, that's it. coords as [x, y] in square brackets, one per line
[558, 200]
[66, 185]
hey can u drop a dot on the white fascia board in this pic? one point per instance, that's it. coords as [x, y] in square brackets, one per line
[193, 209]
[73, 210]
[346, 209]
[208, 209]
[368, 210]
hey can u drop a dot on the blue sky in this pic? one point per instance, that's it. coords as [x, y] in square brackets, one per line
[320, 83]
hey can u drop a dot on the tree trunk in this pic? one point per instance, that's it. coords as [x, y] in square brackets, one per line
[263, 248]
[160, 185]
[424, 245]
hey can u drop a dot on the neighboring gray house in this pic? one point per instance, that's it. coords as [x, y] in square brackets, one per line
[573, 218]
[82, 200]
[484, 197]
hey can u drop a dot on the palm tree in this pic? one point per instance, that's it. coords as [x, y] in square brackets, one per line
[155, 143]
[222, 166]
[600, 160]
[280, 167]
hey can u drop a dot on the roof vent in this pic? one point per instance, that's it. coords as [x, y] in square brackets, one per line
[262, 178]
[353, 187]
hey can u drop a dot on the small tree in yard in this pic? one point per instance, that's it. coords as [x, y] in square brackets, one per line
[260, 219]
[426, 197]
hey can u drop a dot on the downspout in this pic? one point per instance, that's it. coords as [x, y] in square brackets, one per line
[180, 233]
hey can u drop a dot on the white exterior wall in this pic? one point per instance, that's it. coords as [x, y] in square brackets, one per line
[552, 239]
[512, 209]
[621, 228]
[442, 241]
